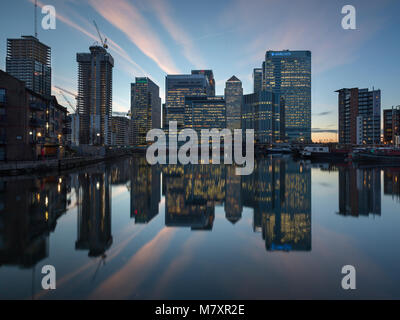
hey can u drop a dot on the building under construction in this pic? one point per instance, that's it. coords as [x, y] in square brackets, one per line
[95, 96]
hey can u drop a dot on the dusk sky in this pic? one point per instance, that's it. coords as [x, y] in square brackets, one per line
[158, 37]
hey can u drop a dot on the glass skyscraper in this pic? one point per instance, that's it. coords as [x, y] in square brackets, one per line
[145, 109]
[205, 113]
[234, 98]
[177, 88]
[257, 80]
[262, 112]
[288, 73]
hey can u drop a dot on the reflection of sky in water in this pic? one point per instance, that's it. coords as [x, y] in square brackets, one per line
[120, 231]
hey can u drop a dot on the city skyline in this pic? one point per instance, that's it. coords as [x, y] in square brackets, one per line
[335, 65]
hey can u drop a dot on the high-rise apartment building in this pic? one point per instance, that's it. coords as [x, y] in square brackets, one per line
[288, 73]
[264, 113]
[95, 96]
[178, 87]
[359, 116]
[145, 109]
[29, 60]
[257, 80]
[234, 99]
[391, 126]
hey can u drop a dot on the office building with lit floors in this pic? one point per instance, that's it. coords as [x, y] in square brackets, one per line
[234, 99]
[359, 116]
[263, 112]
[205, 113]
[211, 79]
[95, 96]
[178, 87]
[288, 73]
[29, 60]
[145, 110]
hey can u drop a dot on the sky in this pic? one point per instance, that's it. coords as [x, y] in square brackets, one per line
[158, 37]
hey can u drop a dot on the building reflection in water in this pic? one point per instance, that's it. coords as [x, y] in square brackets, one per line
[94, 211]
[29, 210]
[278, 192]
[392, 182]
[359, 191]
[145, 190]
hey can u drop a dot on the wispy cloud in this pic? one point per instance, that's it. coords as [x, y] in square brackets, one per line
[321, 114]
[177, 33]
[126, 17]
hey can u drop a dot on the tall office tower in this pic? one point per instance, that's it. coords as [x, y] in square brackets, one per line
[391, 126]
[257, 80]
[205, 113]
[145, 109]
[95, 96]
[288, 73]
[359, 116]
[234, 98]
[264, 113]
[29, 60]
[177, 88]
[211, 79]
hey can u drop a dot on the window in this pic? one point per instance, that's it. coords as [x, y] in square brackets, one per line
[2, 95]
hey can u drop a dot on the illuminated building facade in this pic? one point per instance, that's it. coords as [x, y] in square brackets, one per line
[95, 96]
[29, 60]
[234, 99]
[178, 87]
[263, 112]
[288, 73]
[359, 116]
[205, 113]
[145, 109]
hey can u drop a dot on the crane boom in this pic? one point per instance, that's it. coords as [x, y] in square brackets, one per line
[103, 42]
[67, 100]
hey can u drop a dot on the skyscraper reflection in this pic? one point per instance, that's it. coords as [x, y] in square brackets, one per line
[94, 211]
[145, 190]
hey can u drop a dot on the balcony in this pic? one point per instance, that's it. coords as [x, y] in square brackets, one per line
[37, 106]
[34, 122]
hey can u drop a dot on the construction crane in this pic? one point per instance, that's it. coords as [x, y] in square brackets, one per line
[103, 42]
[69, 102]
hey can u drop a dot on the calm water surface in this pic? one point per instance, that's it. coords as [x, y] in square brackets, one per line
[124, 230]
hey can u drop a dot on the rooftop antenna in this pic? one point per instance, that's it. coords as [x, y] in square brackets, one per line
[36, 33]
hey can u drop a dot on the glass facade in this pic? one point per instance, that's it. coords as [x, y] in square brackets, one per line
[262, 112]
[177, 88]
[234, 98]
[205, 113]
[145, 109]
[257, 80]
[288, 73]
